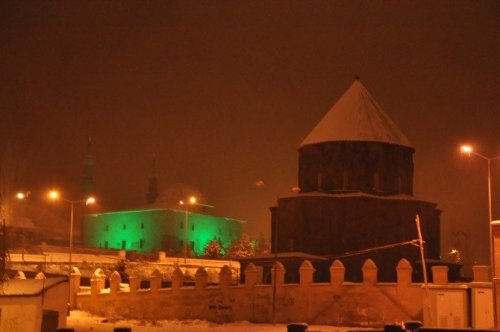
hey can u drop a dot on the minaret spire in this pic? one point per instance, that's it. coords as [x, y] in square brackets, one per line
[88, 171]
[152, 192]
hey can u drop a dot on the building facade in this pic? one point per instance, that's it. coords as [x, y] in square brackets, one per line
[356, 190]
[160, 229]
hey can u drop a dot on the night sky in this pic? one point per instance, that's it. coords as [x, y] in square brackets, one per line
[224, 92]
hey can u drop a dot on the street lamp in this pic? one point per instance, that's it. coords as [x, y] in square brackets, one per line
[192, 200]
[54, 195]
[469, 150]
[22, 195]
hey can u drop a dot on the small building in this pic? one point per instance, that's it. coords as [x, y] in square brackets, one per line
[33, 305]
[162, 229]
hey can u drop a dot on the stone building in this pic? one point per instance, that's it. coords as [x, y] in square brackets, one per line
[356, 190]
[160, 229]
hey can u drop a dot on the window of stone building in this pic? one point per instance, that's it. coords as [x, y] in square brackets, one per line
[142, 225]
[181, 225]
[141, 243]
[106, 244]
[124, 226]
[192, 227]
[107, 228]
[192, 245]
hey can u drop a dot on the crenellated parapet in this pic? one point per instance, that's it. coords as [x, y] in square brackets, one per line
[339, 302]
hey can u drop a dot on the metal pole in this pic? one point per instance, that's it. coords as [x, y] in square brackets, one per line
[185, 248]
[71, 238]
[492, 254]
[492, 242]
[490, 218]
[70, 296]
[275, 267]
[427, 300]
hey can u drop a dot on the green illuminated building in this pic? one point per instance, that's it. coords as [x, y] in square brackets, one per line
[157, 230]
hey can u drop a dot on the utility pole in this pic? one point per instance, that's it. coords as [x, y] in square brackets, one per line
[427, 300]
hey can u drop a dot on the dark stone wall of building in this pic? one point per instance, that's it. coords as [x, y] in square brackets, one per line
[371, 167]
[333, 225]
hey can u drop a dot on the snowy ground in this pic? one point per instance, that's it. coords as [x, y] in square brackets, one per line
[83, 322]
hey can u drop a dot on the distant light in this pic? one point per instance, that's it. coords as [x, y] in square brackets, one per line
[466, 149]
[260, 183]
[181, 202]
[21, 196]
[192, 200]
[91, 200]
[53, 195]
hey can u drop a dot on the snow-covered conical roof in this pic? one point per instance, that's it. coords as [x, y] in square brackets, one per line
[356, 116]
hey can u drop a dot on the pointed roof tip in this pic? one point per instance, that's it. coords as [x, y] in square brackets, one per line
[356, 116]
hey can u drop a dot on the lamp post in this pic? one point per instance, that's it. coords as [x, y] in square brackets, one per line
[468, 149]
[54, 195]
[21, 196]
[192, 200]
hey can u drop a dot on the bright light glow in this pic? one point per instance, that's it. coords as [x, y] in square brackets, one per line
[466, 149]
[181, 202]
[53, 195]
[192, 200]
[90, 200]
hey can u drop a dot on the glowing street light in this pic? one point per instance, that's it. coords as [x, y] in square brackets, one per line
[466, 149]
[22, 195]
[469, 150]
[54, 195]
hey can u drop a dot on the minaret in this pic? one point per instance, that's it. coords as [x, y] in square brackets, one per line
[152, 192]
[88, 171]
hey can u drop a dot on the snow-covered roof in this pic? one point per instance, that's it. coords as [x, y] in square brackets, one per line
[28, 287]
[356, 116]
